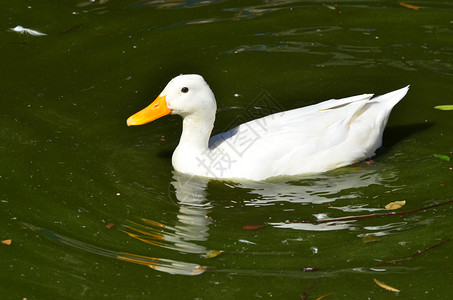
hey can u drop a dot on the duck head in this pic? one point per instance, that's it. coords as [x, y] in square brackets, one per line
[184, 95]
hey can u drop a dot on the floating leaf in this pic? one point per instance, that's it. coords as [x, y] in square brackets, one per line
[444, 107]
[443, 157]
[323, 296]
[395, 205]
[385, 286]
[7, 242]
[369, 238]
[414, 7]
[213, 253]
[252, 227]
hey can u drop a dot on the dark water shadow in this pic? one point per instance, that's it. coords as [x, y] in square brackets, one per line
[395, 134]
[167, 154]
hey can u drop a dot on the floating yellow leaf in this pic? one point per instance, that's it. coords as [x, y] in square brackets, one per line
[370, 238]
[213, 253]
[7, 242]
[387, 287]
[395, 205]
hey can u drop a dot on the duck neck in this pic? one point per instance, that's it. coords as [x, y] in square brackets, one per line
[195, 133]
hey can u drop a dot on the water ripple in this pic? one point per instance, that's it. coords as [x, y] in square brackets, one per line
[302, 31]
[160, 264]
[175, 3]
[351, 55]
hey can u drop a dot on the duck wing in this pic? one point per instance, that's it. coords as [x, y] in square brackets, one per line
[293, 127]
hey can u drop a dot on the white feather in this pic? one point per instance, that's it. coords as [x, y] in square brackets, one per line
[23, 30]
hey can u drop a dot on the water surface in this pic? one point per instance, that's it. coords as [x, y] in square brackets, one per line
[94, 209]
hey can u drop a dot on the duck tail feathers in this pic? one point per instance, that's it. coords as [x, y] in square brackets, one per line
[392, 98]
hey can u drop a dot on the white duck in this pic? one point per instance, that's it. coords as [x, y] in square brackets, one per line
[305, 140]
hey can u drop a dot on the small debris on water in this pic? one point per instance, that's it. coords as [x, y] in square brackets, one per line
[252, 227]
[247, 242]
[309, 269]
[23, 30]
[212, 254]
[369, 238]
[414, 7]
[7, 242]
[395, 205]
[369, 162]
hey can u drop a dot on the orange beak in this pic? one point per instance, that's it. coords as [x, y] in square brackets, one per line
[152, 112]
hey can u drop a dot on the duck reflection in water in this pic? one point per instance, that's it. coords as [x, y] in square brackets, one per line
[192, 224]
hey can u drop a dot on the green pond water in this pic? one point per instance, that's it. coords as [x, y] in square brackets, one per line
[94, 209]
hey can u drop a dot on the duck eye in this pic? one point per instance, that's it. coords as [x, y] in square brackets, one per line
[184, 89]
